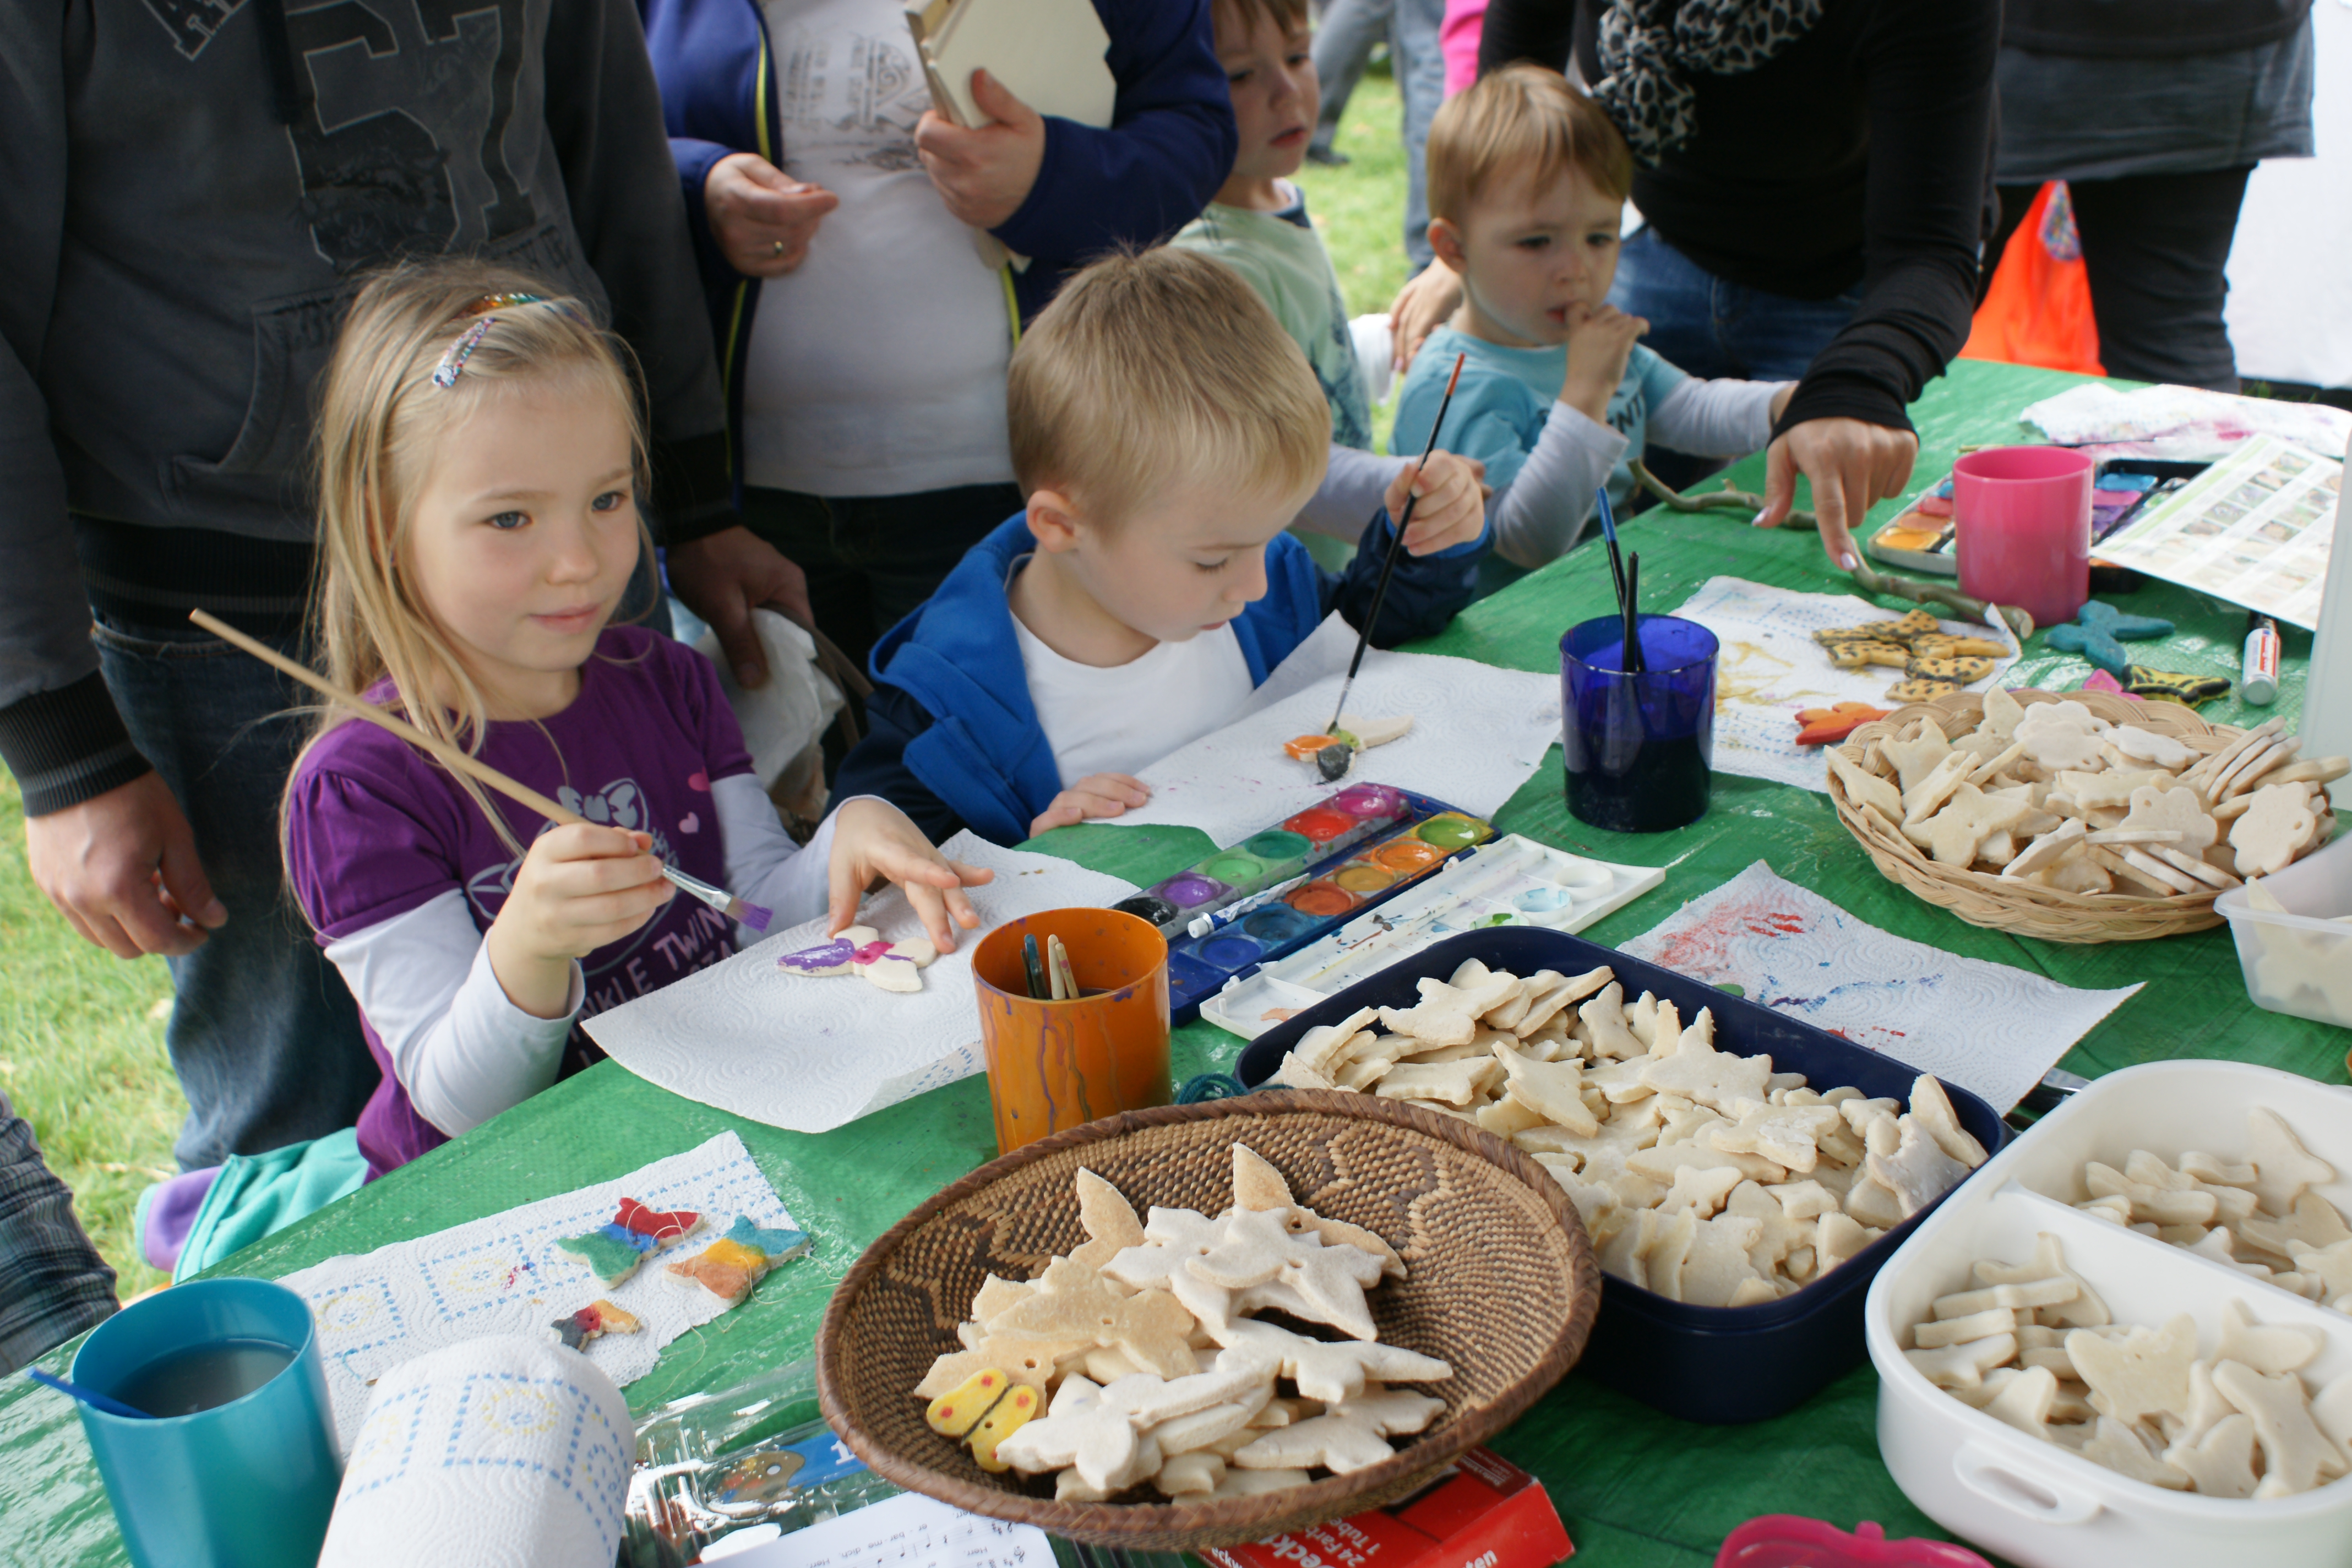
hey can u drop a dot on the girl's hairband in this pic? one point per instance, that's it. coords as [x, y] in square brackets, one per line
[453, 361]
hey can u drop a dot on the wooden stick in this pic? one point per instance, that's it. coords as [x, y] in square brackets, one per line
[452, 757]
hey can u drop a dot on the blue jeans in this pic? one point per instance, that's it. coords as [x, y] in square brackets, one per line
[1703, 325]
[1419, 66]
[1344, 40]
[264, 1036]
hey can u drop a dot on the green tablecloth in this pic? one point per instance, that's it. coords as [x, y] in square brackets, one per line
[1634, 1488]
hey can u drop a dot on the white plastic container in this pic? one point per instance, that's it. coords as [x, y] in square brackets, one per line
[2041, 1505]
[2299, 962]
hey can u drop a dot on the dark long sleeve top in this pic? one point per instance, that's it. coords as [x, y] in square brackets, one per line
[1856, 153]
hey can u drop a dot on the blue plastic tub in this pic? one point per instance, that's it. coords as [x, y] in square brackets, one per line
[1719, 1364]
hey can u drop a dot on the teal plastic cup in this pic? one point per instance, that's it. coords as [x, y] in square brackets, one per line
[247, 1484]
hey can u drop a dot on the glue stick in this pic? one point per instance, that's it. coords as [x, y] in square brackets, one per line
[2258, 672]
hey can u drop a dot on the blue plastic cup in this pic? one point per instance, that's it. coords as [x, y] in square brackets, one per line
[247, 1484]
[1639, 749]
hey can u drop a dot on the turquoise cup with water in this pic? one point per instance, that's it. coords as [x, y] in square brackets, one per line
[238, 1468]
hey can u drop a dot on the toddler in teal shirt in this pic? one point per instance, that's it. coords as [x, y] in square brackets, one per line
[1528, 181]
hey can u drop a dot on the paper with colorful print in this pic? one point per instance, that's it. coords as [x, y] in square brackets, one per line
[812, 1052]
[1478, 733]
[1770, 667]
[1986, 1026]
[504, 1275]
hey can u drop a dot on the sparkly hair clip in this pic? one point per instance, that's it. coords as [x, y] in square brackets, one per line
[453, 363]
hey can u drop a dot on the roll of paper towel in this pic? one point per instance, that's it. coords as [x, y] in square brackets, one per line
[506, 1452]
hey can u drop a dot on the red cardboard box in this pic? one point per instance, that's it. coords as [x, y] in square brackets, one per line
[1485, 1513]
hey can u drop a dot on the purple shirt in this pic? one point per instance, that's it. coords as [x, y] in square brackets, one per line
[375, 828]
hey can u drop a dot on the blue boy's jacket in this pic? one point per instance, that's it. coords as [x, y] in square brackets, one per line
[1169, 145]
[952, 737]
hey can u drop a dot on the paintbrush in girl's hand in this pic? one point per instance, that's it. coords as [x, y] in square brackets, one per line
[1396, 546]
[457, 760]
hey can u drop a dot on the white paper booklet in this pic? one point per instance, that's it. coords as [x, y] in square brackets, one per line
[810, 1053]
[2253, 528]
[1047, 53]
[905, 1532]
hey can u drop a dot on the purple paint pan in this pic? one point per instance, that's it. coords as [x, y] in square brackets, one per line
[1191, 890]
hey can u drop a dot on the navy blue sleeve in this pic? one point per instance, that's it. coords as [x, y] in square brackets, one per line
[878, 764]
[1427, 592]
[1169, 145]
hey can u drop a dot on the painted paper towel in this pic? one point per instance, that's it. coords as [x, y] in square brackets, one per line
[1478, 733]
[1771, 666]
[1986, 1026]
[503, 1274]
[505, 1450]
[813, 1053]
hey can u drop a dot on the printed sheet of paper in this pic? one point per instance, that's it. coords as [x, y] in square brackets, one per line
[2253, 528]
[1985, 1027]
[1478, 733]
[1771, 666]
[503, 1274]
[908, 1530]
[810, 1053]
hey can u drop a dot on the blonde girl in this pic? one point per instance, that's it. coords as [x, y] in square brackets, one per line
[479, 459]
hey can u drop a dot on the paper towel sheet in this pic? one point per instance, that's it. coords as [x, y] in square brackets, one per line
[502, 1450]
[503, 1274]
[1985, 1027]
[1771, 666]
[1477, 733]
[813, 1053]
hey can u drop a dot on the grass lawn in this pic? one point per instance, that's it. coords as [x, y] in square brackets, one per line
[81, 1032]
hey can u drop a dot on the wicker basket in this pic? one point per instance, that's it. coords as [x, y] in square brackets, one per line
[2026, 908]
[1500, 1282]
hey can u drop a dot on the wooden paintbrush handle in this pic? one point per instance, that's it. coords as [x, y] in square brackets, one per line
[453, 758]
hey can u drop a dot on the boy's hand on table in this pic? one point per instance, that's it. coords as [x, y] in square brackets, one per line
[1422, 306]
[873, 839]
[723, 578]
[579, 887]
[984, 174]
[761, 217]
[1096, 795]
[1599, 341]
[1453, 506]
[1852, 463]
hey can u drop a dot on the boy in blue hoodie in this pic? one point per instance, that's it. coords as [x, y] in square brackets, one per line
[1164, 430]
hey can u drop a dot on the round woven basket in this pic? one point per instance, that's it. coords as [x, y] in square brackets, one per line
[2026, 908]
[1500, 1282]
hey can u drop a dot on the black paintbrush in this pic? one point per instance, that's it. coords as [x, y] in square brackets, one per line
[1396, 547]
[1632, 659]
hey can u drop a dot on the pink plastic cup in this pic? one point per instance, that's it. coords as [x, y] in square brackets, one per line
[2024, 520]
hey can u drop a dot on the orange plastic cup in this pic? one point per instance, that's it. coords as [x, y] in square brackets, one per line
[1057, 1065]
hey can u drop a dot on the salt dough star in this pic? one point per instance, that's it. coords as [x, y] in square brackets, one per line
[1071, 1302]
[1328, 1371]
[1336, 1442]
[1328, 1281]
[2142, 1373]
[1714, 1078]
[1170, 1236]
[1551, 1088]
[2283, 1168]
[1258, 1186]
[1956, 831]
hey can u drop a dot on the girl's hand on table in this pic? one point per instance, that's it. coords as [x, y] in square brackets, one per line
[1851, 464]
[761, 217]
[1453, 506]
[579, 887]
[1096, 795]
[872, 840]
[1422, 306]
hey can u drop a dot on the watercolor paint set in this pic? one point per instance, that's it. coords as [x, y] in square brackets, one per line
[1295, 882]
[1508, 882]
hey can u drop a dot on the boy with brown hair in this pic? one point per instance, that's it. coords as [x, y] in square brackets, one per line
[1528, 181]
[1164, 430]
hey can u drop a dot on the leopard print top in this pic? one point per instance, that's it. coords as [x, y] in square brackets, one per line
[1646, 46]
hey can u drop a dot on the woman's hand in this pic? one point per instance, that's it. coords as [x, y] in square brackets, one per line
[1422, 306]
[984, 174]
[1453, 506]
[873, 839]
[761, 217]
[1851, 465]
[1096, 795]
[579, 887]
